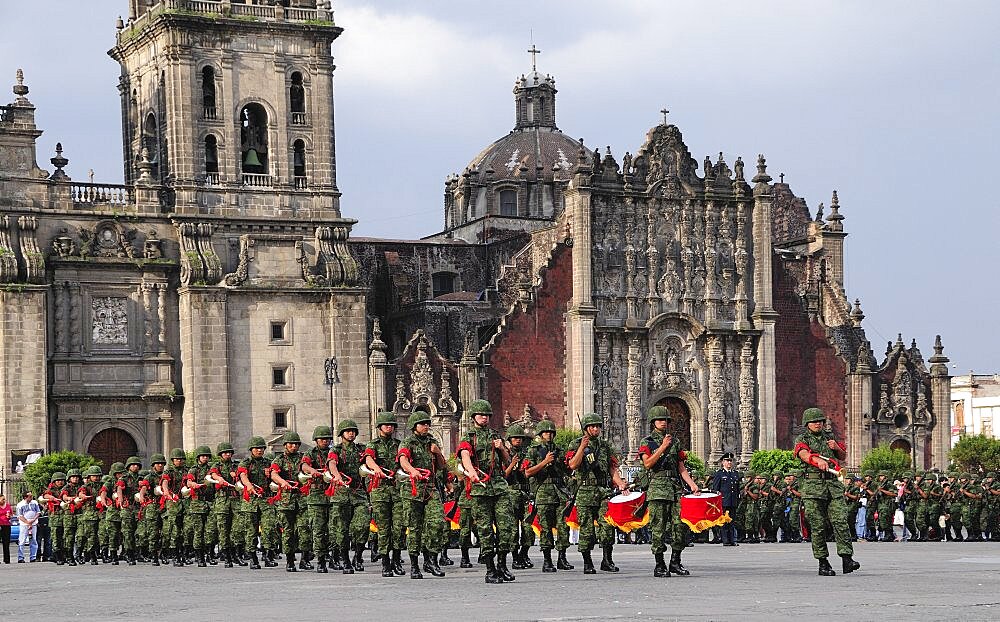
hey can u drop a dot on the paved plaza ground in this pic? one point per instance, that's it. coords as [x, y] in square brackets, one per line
[897, 581]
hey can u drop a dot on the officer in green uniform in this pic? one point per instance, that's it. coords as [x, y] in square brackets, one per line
[87, 526]
[223, 478]
[886, 505]
[67, 495]
[285, 469]
[51, 497]
[128, 506]
[420, 457]
[546, 471]
[350, 501]
[253, 473]
[200, 496]
[594, 463]
[387, 508]
[173, 515]
[517, 491]
[151, 501]
[110, 497]
[822, 492]
[663, 458]
[483, 457]
[317, 503]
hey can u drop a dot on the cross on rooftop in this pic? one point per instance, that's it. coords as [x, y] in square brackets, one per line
[534, 54]
[664, 112]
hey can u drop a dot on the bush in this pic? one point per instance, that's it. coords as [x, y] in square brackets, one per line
[882, 458]
[565, 436]
[695, 465]
[767, 460]
[976, 453]
[38, 473]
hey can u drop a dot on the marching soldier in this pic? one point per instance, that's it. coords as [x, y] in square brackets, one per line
[872, 497]
[664, 459]
[387, 508]
[912, 497]
[465, 522]
[546, 471]
[86, 497]
[776, 506]
[317, 503]
[992, 488]
[253, 473]
[223, 476]
[284, 470]
[173, 515]
[351, 519]
[151, 502]
[594, 462]
[128, 489]
[822, 492]
[794, 496]
[483, 455]
[70, 519]
[51, 498]
[517, 490]
[886, 505]
[973, 499]
[853, 493]
[420, 457]
[110, 498]
[200, 496]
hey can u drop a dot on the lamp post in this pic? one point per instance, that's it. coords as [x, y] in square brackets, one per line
[330, 379]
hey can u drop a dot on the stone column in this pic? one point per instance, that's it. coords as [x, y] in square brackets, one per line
[748, 402]
[941, 403]
[62, 441]
[147, 317]
[70, 442]
[764, 316]
[716, 397]
[75, 325]
[633, 397]
[161, 317]
[376, 375]
[59, 321]
[860, 418]
[582, 312]
[166, 432]
[468, 379]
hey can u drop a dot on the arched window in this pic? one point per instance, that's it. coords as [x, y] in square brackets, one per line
[253, 145]
[211, 159]
[299, 164]
[443, 283]
[151, 142]
[297, 99]
[208, 91]
[508, 203]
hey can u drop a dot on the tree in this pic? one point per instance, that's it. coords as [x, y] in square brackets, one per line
[695, 465]
[884, 458]
[767, 460]
[38, 473]
[976, 454]
[565, 436]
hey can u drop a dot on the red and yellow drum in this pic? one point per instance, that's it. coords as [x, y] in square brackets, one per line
[628, 511]
[703, 510]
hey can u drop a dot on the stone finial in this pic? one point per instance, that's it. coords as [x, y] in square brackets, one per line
[899, 340]
[20, 89]
[145, 168]
[59, 162]
[819, 213]
[938, 366]
[377, 344]
[857, 314]
[835, 216]
[761, 177]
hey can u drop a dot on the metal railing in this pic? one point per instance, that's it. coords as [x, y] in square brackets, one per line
[108, 194]
[256, 180]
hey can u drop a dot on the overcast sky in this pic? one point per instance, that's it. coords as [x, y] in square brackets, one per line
[894, 104]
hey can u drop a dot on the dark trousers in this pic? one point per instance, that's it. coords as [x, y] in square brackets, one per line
[729, 529]
[5, 542]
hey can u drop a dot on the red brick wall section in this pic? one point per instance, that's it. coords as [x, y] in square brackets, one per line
[528, 359]
[809, 372]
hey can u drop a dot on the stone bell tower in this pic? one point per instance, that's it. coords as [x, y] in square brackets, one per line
[228, 105]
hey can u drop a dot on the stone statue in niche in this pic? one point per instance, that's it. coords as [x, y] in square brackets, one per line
[152, 247]
[673, 360]
[63, 245]
[110, 321]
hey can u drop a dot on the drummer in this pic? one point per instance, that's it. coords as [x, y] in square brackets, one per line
[664, 459]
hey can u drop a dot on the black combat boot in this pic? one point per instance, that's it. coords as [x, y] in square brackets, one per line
[660, 570]
[431, 564]
[676, 567]
[60, 560]
[443, 558]
[178, 558]
[415, 568]
[502, 569]
[397, 563]
[516, 562]
[825, 570]
[201, 558]
[387, 566]
[290, 563]
[588, 563]
[131, 558]
[562, 563]
[213, 559]
[114, 557]
[466, 562]
[608, 564]
[359, 557]
[492, 576]
[849, 564]
[335, 559]
[106, 555]
[254, 562]
[304, 562]
[154, 559]
[547, 561]
[321, 564]
[524, 557]
[227, 556]
[345, 553]
[269, 559]
[93, 557]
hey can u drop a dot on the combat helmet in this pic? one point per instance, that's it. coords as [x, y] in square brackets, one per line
[177, 454]
[321, 432]
[386, 418]
[92, 471]
[133, 460]
[811, 415]
[480, 407]
[346, 425]
[658, 413]
[223, 447]
[516, 431]
[257, 442]
[117, 467]
[157, 459]
[203, 450]
[58, 476]
[416, 418]
[545, 426]
[291, 437]
[591, 419]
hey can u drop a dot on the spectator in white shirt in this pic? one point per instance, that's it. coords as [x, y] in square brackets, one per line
[28, 512]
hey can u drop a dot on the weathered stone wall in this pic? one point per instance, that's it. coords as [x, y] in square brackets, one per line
[24, 421]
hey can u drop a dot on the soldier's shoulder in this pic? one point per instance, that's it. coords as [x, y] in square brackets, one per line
[575, 443]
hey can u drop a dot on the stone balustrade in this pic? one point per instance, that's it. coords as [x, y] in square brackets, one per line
[100, 194]
[257, 180]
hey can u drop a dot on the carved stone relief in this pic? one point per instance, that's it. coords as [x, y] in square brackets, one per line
[110, 320]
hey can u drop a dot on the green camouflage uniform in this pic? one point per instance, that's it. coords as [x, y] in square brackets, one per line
[226, 502]
[491, 504]
[317, 503]
[974, 495]
[387, 507]
[425, 513]
[173, 516]
[151, 512]
[517, 491]
[350, 504]
[886, 505]
[823, 496]
[128, 486]
[992, 505]
[286, 465]
[199, 507]
[86, 537]
[253, 505]
[593, 479]
[663, 495]
[912, 507]
[56, 517]
[550, 493]
[872, 494]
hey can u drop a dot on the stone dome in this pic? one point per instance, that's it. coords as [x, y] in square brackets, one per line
[518, 156]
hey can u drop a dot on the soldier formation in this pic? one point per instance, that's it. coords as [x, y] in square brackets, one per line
[329, 504]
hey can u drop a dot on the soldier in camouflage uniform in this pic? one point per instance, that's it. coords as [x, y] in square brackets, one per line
[853, 492]
[270, 536]
[991, 487]
[253, 473]
[777, 504]
[912, 508]
[822, 492]
[51, 498]
[317, 503]
[285, 469]
[70, 518]
[594, 463]
[200, 496]
[754, 501]
[418, 455]
[173, 515]
[151, 507]
[350, 501]
[128, 488]
[872, 496]
[663, 459]
[742, 508]
[483, 456]
[546, 471]
[974, 494]
[886, 505]
[517, 491]
[223, 479]
[387, 507]
[88, 492]
[466, 523]
[110, 497]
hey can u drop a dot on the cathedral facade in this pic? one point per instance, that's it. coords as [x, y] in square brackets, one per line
[218, 293]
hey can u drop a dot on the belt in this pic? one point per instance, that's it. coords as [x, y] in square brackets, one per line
[820, 475]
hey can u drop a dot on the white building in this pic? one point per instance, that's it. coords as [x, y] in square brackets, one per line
[975, 405]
